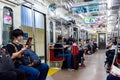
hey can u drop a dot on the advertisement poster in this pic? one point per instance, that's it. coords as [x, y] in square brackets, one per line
[7, 19]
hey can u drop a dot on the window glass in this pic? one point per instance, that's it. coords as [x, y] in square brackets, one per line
[7, 25]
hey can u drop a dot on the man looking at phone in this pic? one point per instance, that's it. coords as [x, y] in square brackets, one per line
[16, 50]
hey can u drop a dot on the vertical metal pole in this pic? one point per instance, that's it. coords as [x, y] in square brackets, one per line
[78, 35]
[118, 23]
[62, 30]
[73, 13]
[33, 25]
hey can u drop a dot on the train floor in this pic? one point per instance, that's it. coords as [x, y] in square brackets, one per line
[94, 69]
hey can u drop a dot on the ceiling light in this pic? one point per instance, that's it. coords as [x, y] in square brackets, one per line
[109, 3]
[81, 16]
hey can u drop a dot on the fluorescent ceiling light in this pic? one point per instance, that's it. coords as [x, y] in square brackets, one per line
[81, 16]
[70, 4]
[109, 3]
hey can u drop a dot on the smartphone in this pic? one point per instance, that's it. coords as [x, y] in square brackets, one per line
[29, 41]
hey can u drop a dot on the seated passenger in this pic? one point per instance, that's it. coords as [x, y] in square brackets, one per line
[81, 55]
[88, 47]
[112, 77]
[74, 42]
[110, 47]
[16, 50]
[59, 52]
[13, 73]
[115, 76]
[70, 40]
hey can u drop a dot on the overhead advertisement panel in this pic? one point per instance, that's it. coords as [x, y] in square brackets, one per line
[52, 7]
[94, 7]
[90, 20]
[80, 9]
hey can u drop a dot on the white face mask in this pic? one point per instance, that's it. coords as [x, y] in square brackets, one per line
[18, 42]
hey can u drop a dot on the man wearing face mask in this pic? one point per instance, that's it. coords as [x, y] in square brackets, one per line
[16, 50]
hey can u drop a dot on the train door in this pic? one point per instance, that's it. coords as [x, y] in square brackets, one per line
[39, 37]
[7, 25]
[75, 33]
[102, 40]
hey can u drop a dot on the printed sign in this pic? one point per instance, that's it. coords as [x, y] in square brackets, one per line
[7, 19]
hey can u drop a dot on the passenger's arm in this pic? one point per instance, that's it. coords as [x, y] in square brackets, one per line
[32, 64]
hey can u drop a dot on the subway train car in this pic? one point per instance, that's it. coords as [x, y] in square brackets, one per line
[73, 37]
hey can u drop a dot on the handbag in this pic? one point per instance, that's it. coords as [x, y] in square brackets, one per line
[6, 62]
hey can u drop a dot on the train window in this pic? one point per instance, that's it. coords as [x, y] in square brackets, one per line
[39, 20]
[39, 30]
[7, 24]
[26, 18]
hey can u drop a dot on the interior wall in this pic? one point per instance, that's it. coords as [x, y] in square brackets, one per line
[39, 39]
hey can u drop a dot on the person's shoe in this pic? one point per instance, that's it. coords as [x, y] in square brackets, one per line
[70, 69]
[107, 71]
[82, 65]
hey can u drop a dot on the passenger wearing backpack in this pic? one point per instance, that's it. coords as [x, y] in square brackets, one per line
[7, 69]
[34, 69]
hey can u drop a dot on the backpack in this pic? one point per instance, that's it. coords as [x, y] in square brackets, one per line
[29, 57]
[6, 62]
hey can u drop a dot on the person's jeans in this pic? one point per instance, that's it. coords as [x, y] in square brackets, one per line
[68, 57]
[31, 72]
[36, 73]
[43, 68]
[111, 77]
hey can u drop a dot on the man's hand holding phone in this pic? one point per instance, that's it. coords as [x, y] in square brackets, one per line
[21, 51]
[24, 48]
[28, 43]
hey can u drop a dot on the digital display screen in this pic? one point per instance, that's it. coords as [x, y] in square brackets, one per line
[90, 20]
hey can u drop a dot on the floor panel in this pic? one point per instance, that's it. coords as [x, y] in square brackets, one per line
[94, 69]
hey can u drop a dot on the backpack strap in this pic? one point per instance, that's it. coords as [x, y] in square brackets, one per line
[16, 50]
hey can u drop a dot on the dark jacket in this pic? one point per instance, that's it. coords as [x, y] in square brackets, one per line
[58, 48]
